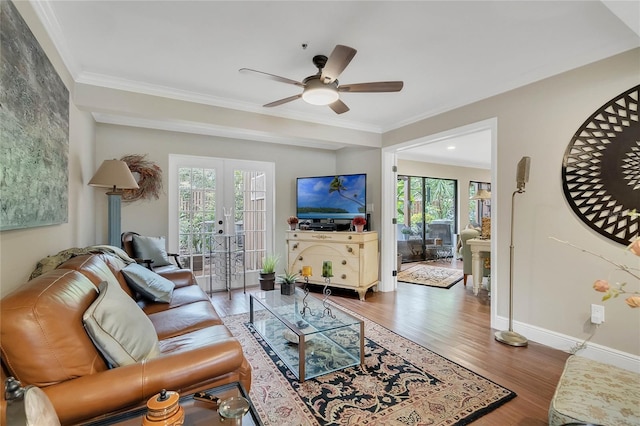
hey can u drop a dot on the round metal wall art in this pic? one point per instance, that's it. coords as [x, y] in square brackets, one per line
[601, 169]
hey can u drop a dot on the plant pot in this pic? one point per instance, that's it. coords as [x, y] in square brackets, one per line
[359, 228]
[292, 226]
[287, 289]
[267, 281]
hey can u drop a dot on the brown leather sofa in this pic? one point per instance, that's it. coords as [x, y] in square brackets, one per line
[43, 342]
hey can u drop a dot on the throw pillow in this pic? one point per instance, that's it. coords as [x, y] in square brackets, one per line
[151, 248]
[118, 327]
[148, 283]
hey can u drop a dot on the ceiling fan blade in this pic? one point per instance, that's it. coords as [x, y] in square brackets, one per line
[339, 107]
[283, 101]
[271, 76]
[380, 86]
[337, 62]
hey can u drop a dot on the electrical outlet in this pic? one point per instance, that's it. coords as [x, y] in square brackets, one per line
[597, 314]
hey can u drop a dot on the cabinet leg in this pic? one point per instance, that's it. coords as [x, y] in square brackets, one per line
[361, 293]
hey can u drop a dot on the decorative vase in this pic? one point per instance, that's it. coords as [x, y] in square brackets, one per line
[292, 226]
[359, 228]
[267, 281]
[287, 289]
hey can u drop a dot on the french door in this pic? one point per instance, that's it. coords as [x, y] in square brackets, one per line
[221, 217]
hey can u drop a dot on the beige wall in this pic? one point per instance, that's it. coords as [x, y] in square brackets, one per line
[150, 217]
[552, 282]
[21, 249]
[367, 161]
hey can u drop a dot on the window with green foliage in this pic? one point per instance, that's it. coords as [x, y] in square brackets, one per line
[478, 208]
[422, 200]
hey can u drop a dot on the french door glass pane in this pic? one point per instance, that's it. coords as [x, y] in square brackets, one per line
[251, 215]
[196, 215]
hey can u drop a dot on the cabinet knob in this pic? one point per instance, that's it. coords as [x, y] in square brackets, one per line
[350, 237]
[295, 246]
[350, 249]
[300, 258]
[343, 276]
[344, 262]
[295, 235]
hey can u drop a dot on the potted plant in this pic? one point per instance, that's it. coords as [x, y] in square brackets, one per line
[407, 232]
[288, 282]
[268, 272]
[292, 221]
[359, 222]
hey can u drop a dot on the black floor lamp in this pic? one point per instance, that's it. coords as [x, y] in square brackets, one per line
[510, 337]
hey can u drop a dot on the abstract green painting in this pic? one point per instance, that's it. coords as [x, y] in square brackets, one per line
[34, 130]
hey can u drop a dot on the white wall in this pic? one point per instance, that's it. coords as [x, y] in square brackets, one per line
[21, 249]
[552, 285]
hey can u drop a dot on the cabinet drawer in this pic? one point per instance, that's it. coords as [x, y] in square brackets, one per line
[332, 237]
[306, 248]
[345, 271]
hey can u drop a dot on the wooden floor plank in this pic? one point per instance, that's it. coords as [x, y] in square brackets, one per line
[455, 324]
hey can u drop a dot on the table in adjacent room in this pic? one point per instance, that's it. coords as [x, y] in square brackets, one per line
[477, 246]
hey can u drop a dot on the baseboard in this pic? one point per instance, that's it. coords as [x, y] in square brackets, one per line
[565, 343]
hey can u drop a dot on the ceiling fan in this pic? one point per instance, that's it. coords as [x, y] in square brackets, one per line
[323, 88]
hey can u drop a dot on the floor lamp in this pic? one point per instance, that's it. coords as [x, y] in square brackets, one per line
[114, 174]
[510, 337]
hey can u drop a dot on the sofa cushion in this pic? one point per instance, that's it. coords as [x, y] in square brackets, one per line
[181, 296]
[44, 317]
[98, 268]
[184, 319]
[151, 248]
[118, 327]
[149, 284]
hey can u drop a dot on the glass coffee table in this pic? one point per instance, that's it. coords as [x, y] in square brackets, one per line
[311, 341]
[196, 412]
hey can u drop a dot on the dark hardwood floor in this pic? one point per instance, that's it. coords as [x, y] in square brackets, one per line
[455, 324]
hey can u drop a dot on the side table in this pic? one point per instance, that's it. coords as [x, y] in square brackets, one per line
[196, 412]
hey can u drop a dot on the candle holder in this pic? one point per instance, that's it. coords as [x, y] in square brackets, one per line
[305, 304]
[327, 292]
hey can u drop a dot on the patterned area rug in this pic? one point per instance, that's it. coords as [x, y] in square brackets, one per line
[432, 276]
[402, 383]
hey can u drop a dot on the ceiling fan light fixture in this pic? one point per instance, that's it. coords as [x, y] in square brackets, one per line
[318, 93]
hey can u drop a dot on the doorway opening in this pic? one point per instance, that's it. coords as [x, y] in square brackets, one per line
[389, 228]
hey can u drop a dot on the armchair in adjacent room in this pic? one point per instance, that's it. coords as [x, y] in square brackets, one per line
[150, 251]
[465, 235]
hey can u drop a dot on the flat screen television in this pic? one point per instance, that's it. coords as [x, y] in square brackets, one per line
[331, 197]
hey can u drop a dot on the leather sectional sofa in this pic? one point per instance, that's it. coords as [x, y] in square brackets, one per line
[44, 343]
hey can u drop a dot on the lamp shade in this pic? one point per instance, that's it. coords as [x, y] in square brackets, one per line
[114, 174]
[318, 93]
[482, 194]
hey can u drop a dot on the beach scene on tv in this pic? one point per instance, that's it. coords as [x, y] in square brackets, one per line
[331, 197]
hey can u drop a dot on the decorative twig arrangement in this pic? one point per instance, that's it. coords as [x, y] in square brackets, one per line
[149, 176]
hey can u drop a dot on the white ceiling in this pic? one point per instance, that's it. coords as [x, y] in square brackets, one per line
[448, 53]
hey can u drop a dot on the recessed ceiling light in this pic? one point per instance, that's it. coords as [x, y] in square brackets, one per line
[451, 147]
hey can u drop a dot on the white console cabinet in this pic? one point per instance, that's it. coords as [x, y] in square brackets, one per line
[353, 255]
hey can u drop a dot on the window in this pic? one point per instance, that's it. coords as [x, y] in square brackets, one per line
[478, 208]
[213, 196]
[426, 211]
